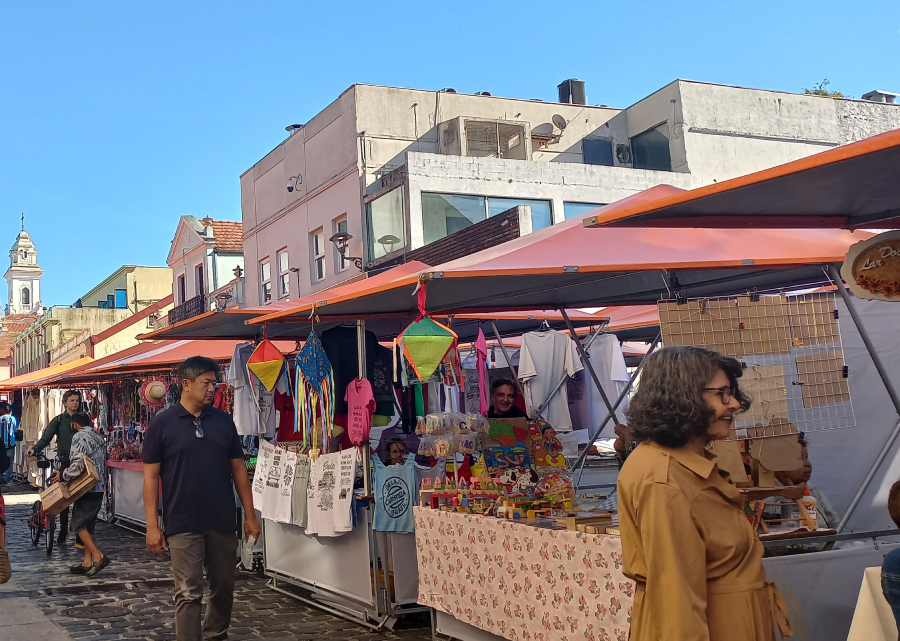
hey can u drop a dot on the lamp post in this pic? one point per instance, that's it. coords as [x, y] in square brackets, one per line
[341, 240]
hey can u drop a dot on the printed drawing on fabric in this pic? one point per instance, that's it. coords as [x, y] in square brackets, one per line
[348, 471]
[326, 486]
[273, 479]
[395, 497]
[287, 477]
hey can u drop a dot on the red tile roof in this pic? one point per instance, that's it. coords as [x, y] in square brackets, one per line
[10, 327]
[229, 234]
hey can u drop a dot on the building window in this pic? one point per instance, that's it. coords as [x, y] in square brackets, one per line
[200, 287]
[284, 286]
[386, 224]
[444, 214]
[650, 150]
[265, 282]
[597, 152]
[339, 226]
[182, 293]
[317, 253]
[121, 299]
[577, 209]
[26, 296]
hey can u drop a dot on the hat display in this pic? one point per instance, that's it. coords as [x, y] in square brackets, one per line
[153, 392]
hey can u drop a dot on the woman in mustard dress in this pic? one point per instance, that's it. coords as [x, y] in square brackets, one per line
[688, 545]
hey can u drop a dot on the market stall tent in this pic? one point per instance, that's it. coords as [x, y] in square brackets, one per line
[35, 378]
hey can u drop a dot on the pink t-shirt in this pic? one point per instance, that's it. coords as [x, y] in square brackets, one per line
[360, 406]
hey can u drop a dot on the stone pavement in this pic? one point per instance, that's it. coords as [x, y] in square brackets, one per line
[43, 591]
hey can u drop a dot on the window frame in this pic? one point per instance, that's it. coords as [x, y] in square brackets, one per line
[284, 276]
[181, 288]
[317, 254]
[631, 140]
[265, 283]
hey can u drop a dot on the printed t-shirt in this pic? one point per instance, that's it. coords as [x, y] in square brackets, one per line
[360, 404]
[609, 365]
[545, 360]
[343, 490]
[286, 421]
[195, 472]
[394, 489]
[301, 484]
[339, 344]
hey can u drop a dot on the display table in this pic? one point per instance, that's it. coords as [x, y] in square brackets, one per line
[519, 581]
[128, 491]
[873, 619]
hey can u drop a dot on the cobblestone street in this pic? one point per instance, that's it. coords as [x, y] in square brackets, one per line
[142, 586]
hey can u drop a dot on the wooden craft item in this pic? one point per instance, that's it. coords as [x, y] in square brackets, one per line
[776, 427]
[813, 321]
[728, 458]
[766, 386]
[822, 379]
[765, 325]
[778, 453]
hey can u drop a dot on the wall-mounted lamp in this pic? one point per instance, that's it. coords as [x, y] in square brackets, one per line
[341, 240]
[222, 299]
[294, 182]
[238, 271]
[296, 270]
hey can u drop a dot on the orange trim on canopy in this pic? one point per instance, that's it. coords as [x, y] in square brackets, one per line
[845, 187]
[29, 379]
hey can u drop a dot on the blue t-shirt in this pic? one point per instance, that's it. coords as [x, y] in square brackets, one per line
[197, 485]
[8, 426]
[395, 488]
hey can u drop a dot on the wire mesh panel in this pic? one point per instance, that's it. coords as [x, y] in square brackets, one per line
[791, 351]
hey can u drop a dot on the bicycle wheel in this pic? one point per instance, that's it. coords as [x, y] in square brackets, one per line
[51, 526]
[34, 523]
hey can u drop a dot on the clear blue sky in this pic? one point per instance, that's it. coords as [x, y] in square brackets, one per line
[119, 117]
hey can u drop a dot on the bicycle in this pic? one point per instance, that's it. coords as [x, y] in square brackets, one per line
[40, 522]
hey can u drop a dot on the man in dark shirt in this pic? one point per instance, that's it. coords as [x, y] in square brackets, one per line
[61, 428]
[196, 451]
[503, 399]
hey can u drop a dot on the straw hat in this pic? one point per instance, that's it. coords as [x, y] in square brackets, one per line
[153, 392]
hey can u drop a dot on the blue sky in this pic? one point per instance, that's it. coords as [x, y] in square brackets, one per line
[119, 117]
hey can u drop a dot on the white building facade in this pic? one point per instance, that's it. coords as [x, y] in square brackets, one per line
[398, 169]
[23, 277]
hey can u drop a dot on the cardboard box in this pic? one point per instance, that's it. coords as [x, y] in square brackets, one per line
[59, 496]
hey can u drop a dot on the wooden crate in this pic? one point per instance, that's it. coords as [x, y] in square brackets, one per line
[59, 496]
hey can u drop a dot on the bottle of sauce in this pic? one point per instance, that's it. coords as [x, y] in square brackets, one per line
[809, 502]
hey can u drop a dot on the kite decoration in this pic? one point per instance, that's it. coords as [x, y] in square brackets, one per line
[267, 363]
[314, 394]
[425, 343]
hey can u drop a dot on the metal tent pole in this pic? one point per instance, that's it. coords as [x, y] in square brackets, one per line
[889, 386]
[579, 463]
[586, 360]
[506, 356]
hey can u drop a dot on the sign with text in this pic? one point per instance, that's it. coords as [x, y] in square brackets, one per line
[872, 268]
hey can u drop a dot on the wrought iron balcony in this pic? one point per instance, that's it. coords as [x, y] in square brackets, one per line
[190, 308]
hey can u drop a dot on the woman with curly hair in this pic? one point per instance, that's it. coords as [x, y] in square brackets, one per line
[696, 559]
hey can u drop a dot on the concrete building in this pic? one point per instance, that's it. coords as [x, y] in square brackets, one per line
[130, 287]
[11, 326]
[203, 257]
[399, 169]
[23, 277]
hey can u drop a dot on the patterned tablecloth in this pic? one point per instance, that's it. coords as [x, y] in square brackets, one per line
[521, 582]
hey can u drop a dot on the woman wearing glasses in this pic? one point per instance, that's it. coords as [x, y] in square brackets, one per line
[696, 559]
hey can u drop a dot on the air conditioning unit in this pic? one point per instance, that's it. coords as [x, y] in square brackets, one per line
[485, 138]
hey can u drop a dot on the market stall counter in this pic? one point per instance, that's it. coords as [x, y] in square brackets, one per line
[128, 492]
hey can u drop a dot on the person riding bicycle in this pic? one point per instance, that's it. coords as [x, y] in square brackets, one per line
[86, 442]
[61, 428]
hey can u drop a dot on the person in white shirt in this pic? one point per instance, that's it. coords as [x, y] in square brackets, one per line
[827, 516]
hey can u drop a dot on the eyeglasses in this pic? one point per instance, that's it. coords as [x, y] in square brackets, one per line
[726, 392]
[198, 431]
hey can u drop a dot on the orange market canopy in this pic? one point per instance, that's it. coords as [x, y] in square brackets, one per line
[566, 265]
[852, 186]
[37, 378]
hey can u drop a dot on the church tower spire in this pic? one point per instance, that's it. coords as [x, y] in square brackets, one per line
[24, 276]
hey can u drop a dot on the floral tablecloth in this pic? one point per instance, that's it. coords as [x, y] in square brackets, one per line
[521, 582]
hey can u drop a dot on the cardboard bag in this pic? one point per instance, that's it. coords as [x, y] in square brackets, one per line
[59, 496]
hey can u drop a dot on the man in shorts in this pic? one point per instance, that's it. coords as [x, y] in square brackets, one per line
[86, 443]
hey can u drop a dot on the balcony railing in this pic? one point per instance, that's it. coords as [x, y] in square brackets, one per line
[190, 308]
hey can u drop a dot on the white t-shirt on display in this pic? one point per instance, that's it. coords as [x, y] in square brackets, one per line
[546, 358]
[609, 365]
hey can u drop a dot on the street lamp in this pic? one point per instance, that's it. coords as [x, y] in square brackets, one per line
[341, 240]
[388, 241]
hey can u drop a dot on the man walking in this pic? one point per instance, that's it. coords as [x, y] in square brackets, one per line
[8, 427]
[61, 428]
[87, 442]
[196, 451]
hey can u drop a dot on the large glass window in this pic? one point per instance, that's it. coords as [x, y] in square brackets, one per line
[540, 209]
[385, 224]
[284, 286]
[317, 250]
[650, 150]
[597, 152]
[444, 214]
[576, 209]
[265, 282]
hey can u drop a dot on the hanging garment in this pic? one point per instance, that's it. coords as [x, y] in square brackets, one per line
[481, 349]
[298, 496]
[263, 462]
[394, 490]
[279, 482]
[438, 470]
[312, 514]
[579, 403]
[321, 507]
[547, 358]
[609, 365]
[360, 406]
[286, 419]
[348, 460]
[383, 375]
[265, 404]
[340, 346]
[246, 413]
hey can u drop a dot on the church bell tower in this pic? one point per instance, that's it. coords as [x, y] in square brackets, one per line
[24, 276]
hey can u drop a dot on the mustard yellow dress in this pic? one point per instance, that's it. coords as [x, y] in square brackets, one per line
[695, 558]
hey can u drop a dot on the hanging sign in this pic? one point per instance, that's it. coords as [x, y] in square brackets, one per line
[872, 268]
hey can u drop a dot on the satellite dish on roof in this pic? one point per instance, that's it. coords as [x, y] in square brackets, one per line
[559, 121]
